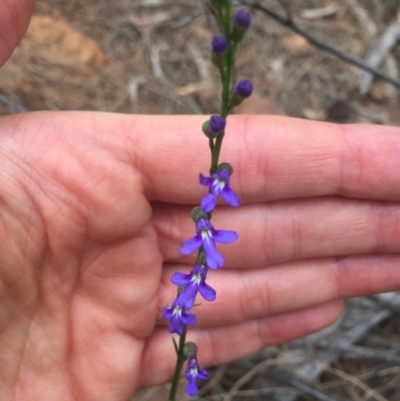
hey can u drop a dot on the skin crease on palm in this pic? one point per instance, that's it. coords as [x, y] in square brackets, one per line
[94, 208]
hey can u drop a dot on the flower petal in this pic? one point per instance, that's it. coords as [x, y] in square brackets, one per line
[207, 292]
[188, 295]
[167, 312]
[208, 203]
[191, 245]
[213, 258]
[179, 278]
[188, 318]
[206, 181]
[230, 197]
[191, 387]
[225, 236]
[175, 325]
[202, 374]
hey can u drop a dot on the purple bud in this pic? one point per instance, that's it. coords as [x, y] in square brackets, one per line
[219, 44]
[217, 124]
[243, 19]
[244, 88]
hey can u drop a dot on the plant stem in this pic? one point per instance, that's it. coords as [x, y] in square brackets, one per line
[226, 78]
[225, 108]
[215, 147]
[179, 363]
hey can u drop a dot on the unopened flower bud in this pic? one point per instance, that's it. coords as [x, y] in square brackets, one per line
[241, 24]
[244, 88]
[190, 349]
[226, 167]
[242, 19]
[214, 126]
[219, 45]
[242, 91]
[198, 213]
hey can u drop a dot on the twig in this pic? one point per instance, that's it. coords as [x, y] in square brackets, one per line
[187, 19]
[318, 42]
[363, 17]
[382, 48]
[359, 317]
[250, 374]
[357, 352]
[357, 382]
[389, 301]
[282, 376]
[286, 6]
[12, 106]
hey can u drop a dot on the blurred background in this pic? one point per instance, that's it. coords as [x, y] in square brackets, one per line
[153, 57]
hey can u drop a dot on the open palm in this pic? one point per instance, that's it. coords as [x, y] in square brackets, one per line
[94, 208]
[81, 267]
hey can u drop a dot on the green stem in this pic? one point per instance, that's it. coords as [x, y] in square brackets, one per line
[220, 17]
[226, 25]
[225, 107]
[179, 363]
[226, 78]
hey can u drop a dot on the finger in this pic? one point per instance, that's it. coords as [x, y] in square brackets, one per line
[288, 230]
[224, 344]
[273, 157]
[14, 20]
[252, 294]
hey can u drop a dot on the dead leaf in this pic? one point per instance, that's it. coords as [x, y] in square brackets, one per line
[318, 13]
[296, 44]
[51, 40]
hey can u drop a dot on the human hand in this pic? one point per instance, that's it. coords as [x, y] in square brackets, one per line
[94, 208]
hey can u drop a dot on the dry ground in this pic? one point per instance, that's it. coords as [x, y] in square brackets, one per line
[152, 56]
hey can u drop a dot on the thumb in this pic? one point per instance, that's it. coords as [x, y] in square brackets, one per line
[14, 20]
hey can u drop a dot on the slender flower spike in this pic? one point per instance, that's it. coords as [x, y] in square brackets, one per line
[219, 44]
[179, 317]
[218, 184]
[194, 283]
[206, 236]
[193, 371]
[223, 54]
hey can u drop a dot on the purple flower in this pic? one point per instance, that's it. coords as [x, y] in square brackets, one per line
[242, 19]
[179, 317]
[219, 44]
[193, 372]
[218, 184]
[193, 282]
[244, 88]
[206, 237]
